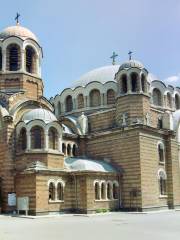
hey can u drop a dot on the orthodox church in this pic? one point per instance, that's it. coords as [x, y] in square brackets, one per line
[109, 142]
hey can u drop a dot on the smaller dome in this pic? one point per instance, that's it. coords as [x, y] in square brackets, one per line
[84, 164]
[131, 64]
[102, 75]
[39, 114]
[17, 31]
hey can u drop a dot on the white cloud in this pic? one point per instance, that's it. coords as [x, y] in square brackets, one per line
[173, 80]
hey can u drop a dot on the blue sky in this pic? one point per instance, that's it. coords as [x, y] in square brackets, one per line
[80, 35]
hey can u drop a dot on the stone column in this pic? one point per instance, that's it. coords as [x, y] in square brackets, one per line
[105, 98]
[74, 103]
[28, 140]
[46, 141]
[129, 85]
[59, 145]
[3, 60]
[23, 65]
[102, 99]
[87, 101]
[139, 84]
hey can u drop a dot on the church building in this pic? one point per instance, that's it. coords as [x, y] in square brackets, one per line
[109, 142]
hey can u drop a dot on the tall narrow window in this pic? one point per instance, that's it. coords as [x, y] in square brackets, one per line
[30, 60]
[0, 59]
[74, 150]
[53, 138]
[109, 196]
[161, 152]
[52, 191]
[124, 83]
[169, 100]
[80, 100]
[97, 191]
[69, 104]
[177, 102]
[115, 190]
[143, 83]
[64, 148]
[103, 190]
[134, 82]
[13, 57]
[23, 139]
[60, 192]
[162, 182]
[95, 98]
[157, 97]
[69, 150]
[110, 96]
[36, 138]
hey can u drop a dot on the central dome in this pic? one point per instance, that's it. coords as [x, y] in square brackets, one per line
[102, 75]
[39, 114]
[18, 31]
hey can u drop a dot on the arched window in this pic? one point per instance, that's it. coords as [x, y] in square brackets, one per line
[64, 148]
[103, 190]
[69, 150]
[59, 108]
[0, 59]
[37, 137]
[95, 98]
[30, 60]
[160, 122]
[80, 100]
[69, 104]
[143, 83]
[51, 191]
[124, 83]
[169, 105]
[23, 139]
[74, 150]
[134, 78]
[109, 191]
[177, 102]
[13, 57]
[53, 138]
[110, 96]
[97, 191]
[60, 191]
[115, 190]
[162, 177]
[157, 97]
[161, 152]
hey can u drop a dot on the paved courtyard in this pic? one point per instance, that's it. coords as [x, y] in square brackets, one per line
[151, 226]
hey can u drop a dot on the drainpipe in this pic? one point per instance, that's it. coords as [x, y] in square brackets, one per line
[75, 189]
[120, 190]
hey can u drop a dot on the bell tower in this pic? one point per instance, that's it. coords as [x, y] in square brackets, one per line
[133, 99]
[20, 62]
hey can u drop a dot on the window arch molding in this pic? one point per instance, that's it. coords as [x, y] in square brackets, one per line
[162, 173]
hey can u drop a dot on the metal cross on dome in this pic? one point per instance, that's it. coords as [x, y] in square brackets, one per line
[114, 56]
[17, 18]
[130, 55]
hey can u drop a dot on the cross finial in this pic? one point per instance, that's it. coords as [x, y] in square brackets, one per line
[114, 56]
[17, 18]
[130, 55]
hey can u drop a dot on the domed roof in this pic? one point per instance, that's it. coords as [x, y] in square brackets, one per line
[84, 164]
[102, 75]
[18, 31]
[130, 64]
[39, 114]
